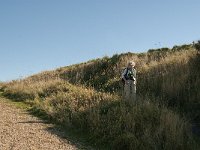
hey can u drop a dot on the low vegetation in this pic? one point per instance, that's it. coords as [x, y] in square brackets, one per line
[87, 97]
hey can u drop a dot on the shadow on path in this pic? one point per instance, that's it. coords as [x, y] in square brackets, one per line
[66, 135]
[44, 122]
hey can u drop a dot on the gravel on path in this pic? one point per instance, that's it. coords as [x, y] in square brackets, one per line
[21, 131]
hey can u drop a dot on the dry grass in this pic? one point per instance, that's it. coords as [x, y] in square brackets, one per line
[78, 96]
[107, 118]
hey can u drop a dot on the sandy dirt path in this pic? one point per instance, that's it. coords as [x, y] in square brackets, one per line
[21, 131]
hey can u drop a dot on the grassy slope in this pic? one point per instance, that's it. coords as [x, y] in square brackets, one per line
[167, 87]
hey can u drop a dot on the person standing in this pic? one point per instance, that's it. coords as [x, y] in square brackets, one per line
[129, 78]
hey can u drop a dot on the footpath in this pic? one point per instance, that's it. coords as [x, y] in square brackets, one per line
[21, 131]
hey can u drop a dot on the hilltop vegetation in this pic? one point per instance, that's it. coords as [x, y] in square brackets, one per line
[87, 97]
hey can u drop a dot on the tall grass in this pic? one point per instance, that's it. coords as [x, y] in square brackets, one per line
[87, 97]
[107, 118]
[122, 126]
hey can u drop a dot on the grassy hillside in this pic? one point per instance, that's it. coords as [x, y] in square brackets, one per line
[87, 97]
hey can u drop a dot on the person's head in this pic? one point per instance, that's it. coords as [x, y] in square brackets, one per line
[131, 64]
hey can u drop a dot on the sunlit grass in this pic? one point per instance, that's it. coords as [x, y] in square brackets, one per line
[87, 97]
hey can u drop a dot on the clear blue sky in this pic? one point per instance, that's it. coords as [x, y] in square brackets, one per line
[37, 35]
